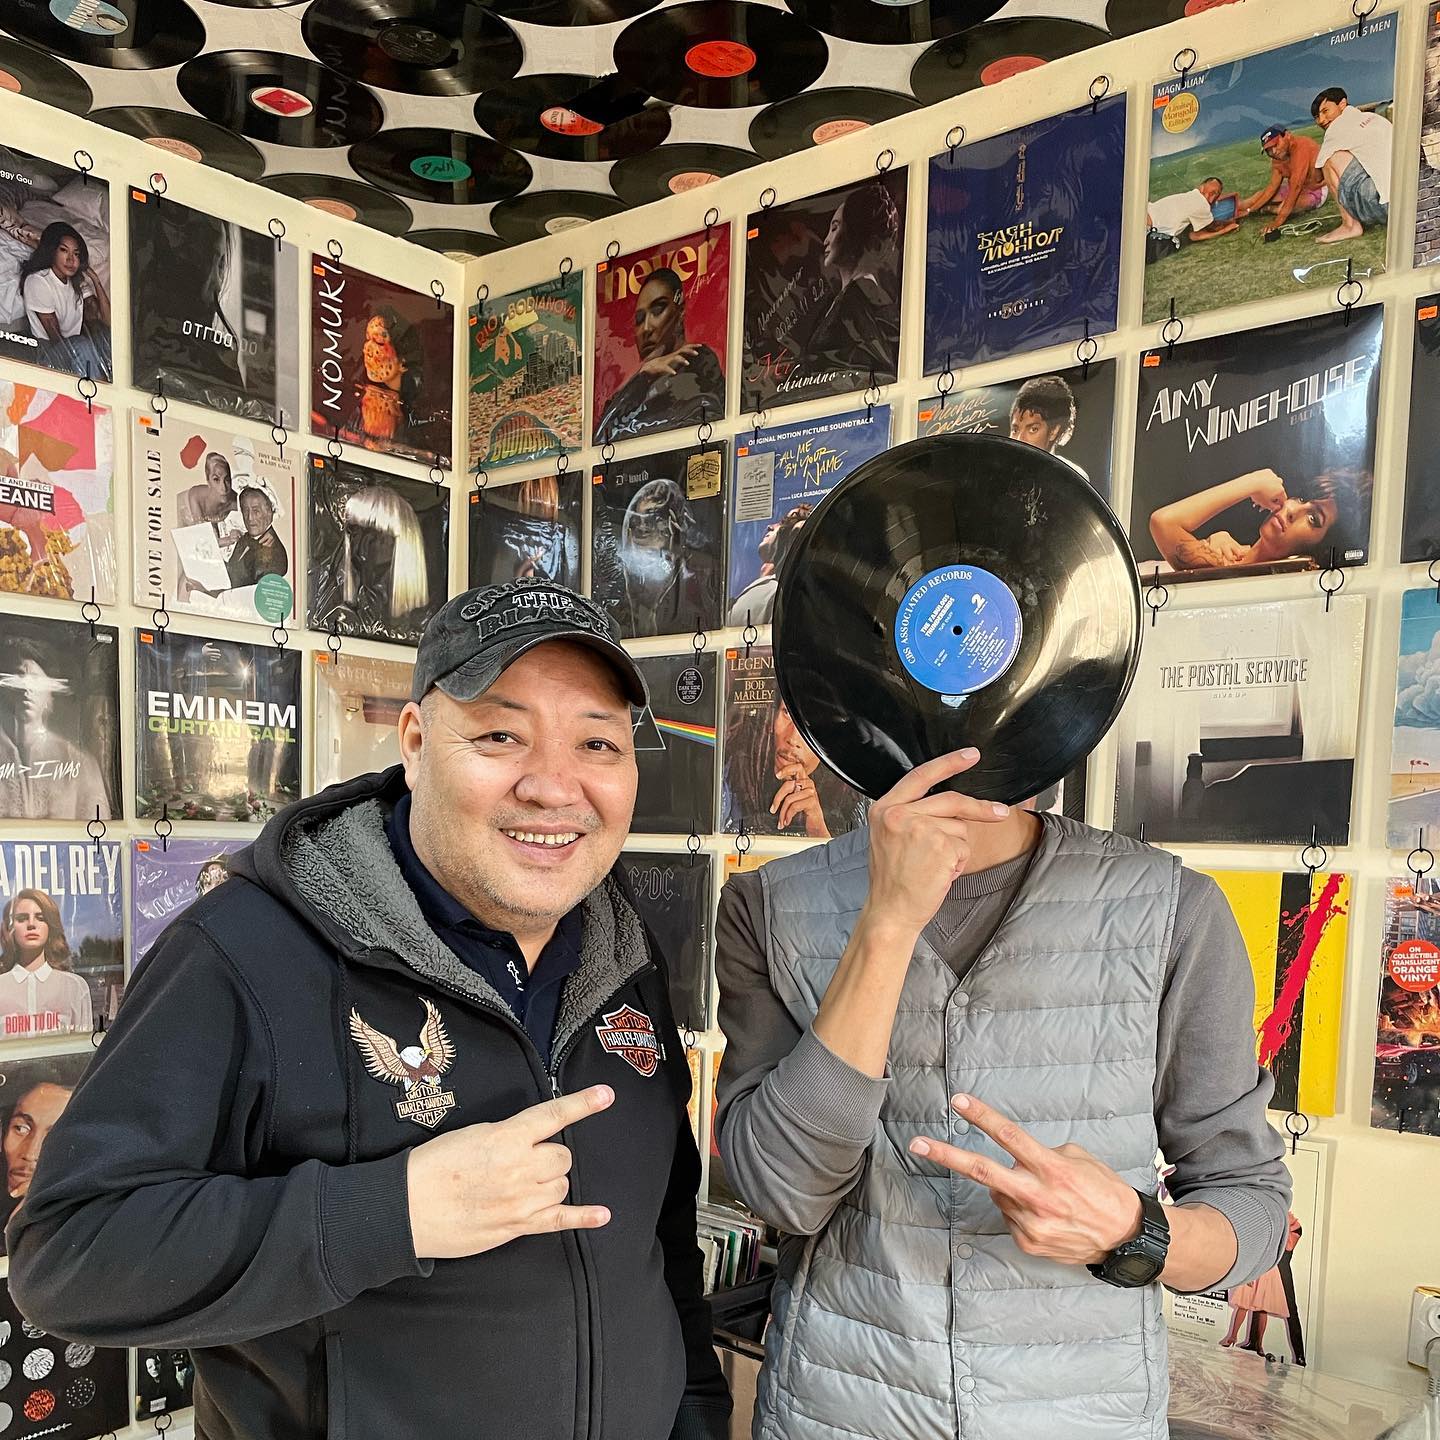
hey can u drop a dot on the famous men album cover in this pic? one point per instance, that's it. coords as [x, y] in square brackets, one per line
[674, 737]
[774, 783]
[381, 364]
[527, 531]
[822, 293]
[672, 892]
[662, 327]
[1420, 532]
[1069, 413]
[358, 701]
[217, 728]
[1407, 1030]
[1240, 726]
[61, 937]
[214, 520]
[379, 551]
[54, 266]
[1270, 175]
[214, 312]
[1023, 242]
[57, 495]
[657, 524]
[167, 879]
[1255, 452]
[527, 397]
[59, 720]
[781, 474]
[33, 1096]
[1413, 810]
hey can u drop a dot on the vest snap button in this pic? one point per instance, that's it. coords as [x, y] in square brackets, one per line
[962, 998]
[964, 1252]
[1109, 1114]
[962, 1127]
[967, 1384]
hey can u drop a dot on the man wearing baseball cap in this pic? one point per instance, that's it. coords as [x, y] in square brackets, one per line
[391, 1129]
[1295, 184]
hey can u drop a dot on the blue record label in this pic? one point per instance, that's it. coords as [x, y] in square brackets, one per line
[958, 629]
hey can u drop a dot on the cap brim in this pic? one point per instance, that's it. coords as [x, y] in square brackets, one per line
[472, 679]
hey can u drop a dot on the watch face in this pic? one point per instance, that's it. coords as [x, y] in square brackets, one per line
[1134, 1269]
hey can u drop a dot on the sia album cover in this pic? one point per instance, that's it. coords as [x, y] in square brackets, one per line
[167, 879]
[57, 495]
[217, 728]
[672, 893]
[358, 701]
[529, 530]
[674, 738]
[1407, 1030]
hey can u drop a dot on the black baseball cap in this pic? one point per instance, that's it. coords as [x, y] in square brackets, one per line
[1273, 132]
[472, 638]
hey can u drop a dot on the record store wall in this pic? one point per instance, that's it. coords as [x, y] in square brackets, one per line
[1373, 1225]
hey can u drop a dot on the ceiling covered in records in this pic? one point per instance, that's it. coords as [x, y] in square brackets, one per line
[469, 127]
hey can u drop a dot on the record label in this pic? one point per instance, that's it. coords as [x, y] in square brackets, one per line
[175, 147]
[998, 70]
[958, 629]
[337, 208]
[444, 169]
[689, 686]
[276, 100]
[559, 224]
[689, 180]
[561, 121]
[837, 130]
[414, 45]
[720, 59]
[9, 82]
[90, 17]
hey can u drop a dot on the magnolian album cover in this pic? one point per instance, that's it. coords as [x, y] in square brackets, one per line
[674, 737]
[527, 531]
[166, 880]
[673, 895]
[358, 701]
[1413, 811]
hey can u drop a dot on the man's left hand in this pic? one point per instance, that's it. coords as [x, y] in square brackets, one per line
[1060, 1204]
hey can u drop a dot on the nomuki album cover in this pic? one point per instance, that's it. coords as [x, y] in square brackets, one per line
[672, 893]
[167, 879]
[527, 531]
[358, 701]
[57, 496]
[674, 737]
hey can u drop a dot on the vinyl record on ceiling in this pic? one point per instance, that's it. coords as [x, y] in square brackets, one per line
[820, 116]
[25, 70]
[420, 47]
[675, 170]
[721, 54]
[461, 245]
[190, 137]
[284, 99]
[573, 117]
[572, 12]
[444, 167]
[883, 22]
[994, 52]
[550, 212]
[346, 200]
[123, 35]
[1130, 17]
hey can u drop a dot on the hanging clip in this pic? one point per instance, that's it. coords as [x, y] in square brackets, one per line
[759, 420]
[945, 382]
[437, 478]
[1419, 862]
[562, 465]
[699, 640]
[712, 219]
[158, 183]
[158, 403]
[168, 1419]
[768, 197]
[705, 429]
[1332, 580]
[335, 250]
[692, 840]
[277, 229]
[884, 160]
[1170, 336]
[482, 294]
[95, 829]
[482, 478]
[160, 619]
[612, 250]
[88, 390]
[749, 635]
[90, 612]
[97, 1028]
[437, 289]
[607, 455]
[163, 828]
[1099, 89]
[1086, 351]
[1351, 287]
[742, 840]
[954, 139]
[1430, 571]
[1362, 15]
[567, 266]
[872, 398]
[1314, 856]
[332, 445]
[1182, 65]
[332, 640]
[1295, 1130]
[281, 636]
[1157, 596]
[84, 163]
[279, 434]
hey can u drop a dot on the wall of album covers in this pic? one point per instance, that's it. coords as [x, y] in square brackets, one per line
[264, 446]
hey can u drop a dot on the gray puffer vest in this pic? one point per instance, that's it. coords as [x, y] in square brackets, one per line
[913, 1315]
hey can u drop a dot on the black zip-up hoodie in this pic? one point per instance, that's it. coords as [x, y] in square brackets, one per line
[229, 1177]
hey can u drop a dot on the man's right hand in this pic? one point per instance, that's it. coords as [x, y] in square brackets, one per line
[477, 1188]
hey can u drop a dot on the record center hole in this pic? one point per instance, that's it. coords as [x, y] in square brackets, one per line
[958, 630]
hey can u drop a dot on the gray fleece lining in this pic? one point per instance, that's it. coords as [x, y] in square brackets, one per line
[344, 867]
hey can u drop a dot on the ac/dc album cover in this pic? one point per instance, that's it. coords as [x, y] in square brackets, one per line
[673, 895]
[33, 1096]
[379, 551]
[1427, 204]
[61, 936]
[781, 475]
[1240, 727]
[662, 327]
[214, 312]
[54, 266]
[214, 520]
[1295, 926]
[164, 1382]
[167, 879]
[1255, 452]
[217, 728]
[1420, 534]
[773, 782]
[1069, 413]
[1023, 242]
[658, 529]
[358, 701]
[674, 738]
[1269, 175]
[1413, 810]
[822, 293]
[1407, 1029]
[527, 397]
[381, 363]
[529, 530]
[59, 720]
[57, 495]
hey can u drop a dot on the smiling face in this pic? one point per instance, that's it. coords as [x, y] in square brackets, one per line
[522, 798]
[257, 513]
[29, 929]
[1212, 191]
[34, 1116]
[1277, 147]
[659, 319]
[1328, 111]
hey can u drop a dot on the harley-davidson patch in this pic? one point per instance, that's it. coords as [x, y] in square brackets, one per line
[630, 1034]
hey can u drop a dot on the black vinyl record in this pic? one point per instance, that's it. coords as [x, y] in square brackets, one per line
[882, 22]
[995, 51]
[346, 200]
[420, 47]
[572, 12]
[573, 117]
[114, 34]
[27, 71]
[549, 212]
[721, 54]
[993, 533]
[283, 99]
[1130, 17]
[819, 116]
[187, 136]
[444, 167]
[462, 245]
[675, 170]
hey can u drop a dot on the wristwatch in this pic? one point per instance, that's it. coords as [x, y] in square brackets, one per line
[1139, 1261]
